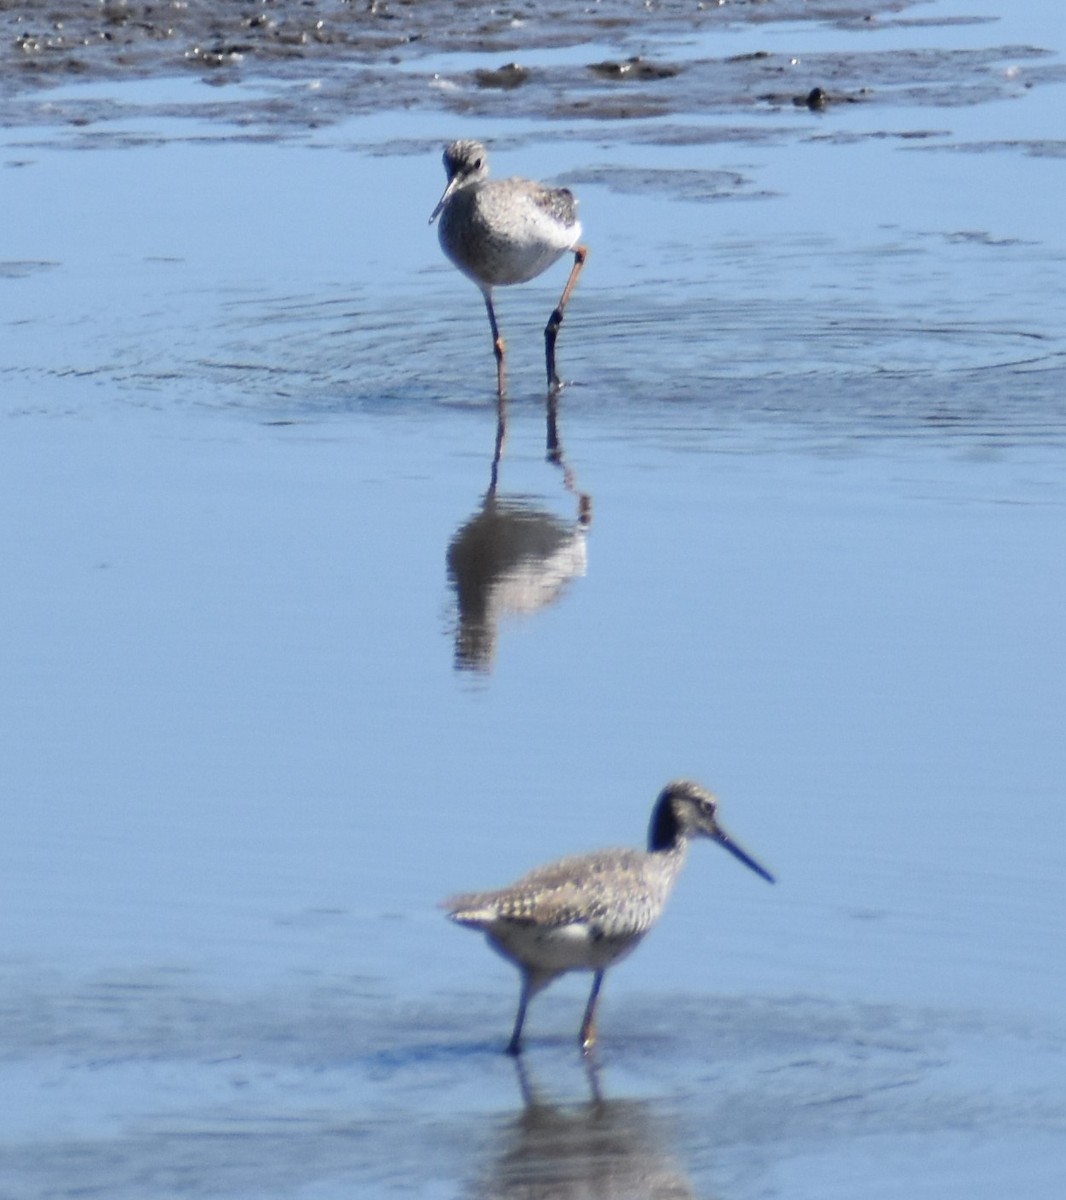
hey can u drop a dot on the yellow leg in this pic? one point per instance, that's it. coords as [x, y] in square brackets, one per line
[497, 345]
[551, 330]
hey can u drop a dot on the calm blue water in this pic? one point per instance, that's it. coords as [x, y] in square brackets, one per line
[819, 425]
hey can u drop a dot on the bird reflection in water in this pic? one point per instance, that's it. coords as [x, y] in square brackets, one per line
[513, 558]
[596, 1150]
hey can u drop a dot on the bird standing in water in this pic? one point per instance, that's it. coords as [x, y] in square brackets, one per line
[587, 912]
[500, 232]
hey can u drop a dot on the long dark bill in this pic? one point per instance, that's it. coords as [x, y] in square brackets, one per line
[442, 201]
[723, 839]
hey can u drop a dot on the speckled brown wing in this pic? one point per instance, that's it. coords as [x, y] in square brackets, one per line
[558, 203]
[581, 888]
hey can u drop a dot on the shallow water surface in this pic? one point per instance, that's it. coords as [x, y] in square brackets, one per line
[303, 633]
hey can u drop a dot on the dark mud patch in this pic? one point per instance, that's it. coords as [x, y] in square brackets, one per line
[1031, 147]
[813, 87]
[670, 183]
[626, 90]
[321, 62]
[42, 42]
[635, 68]
[20, 269]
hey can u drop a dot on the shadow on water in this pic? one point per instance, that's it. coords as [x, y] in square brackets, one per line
[512, 557]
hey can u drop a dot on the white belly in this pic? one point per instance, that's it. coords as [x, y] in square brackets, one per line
[560, 948]
[497, 235]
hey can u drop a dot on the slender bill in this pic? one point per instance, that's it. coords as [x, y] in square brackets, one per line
[723, 839]
[452, 185]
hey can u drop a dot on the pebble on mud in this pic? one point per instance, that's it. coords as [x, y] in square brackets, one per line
[634, 68]
[510, 75]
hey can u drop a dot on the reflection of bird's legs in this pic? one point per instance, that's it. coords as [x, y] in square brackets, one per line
[554, 454]
[534, 1098]
[501, 438]
[554, 450]
[592, 1073]
[497, 342]
[525, 1084]
[556, 319]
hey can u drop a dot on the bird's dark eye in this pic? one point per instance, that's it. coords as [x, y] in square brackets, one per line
[477, 164]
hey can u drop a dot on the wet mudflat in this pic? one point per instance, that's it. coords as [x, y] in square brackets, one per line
[292, 652]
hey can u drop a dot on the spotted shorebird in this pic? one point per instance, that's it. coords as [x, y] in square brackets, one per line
[504, 231]
[587, 912]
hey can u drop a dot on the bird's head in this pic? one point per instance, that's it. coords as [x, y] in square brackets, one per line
[464, 162]
[687, 810]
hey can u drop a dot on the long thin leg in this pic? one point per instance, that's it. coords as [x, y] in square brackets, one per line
[514, 1046]
[588, 1025]
[497, 343]
[556, 319]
